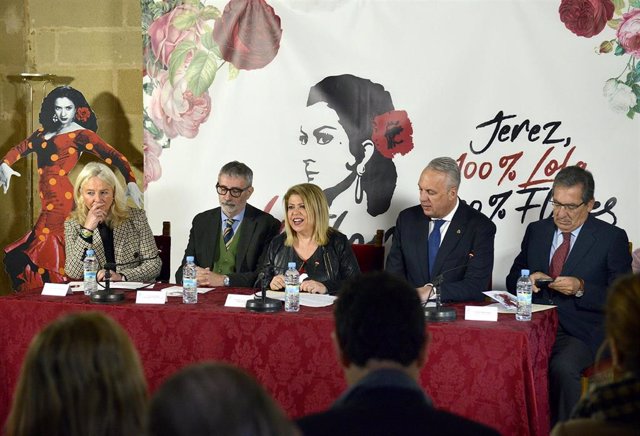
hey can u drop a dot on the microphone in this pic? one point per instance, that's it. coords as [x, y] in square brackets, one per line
[440, 313]
[108, 295]
[264, 304]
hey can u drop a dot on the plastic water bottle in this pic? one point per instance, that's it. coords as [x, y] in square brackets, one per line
[90, 272]
[292, 289]
[189, 282]
[524, 289]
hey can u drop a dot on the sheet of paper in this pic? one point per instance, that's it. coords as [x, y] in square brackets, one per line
[534, 308]
[237, 300]
[306, 299]
[506, 300]
[176, 291]
[76, 286]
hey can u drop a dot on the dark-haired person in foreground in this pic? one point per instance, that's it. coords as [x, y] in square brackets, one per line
[381, 340]
[583, 255]
[215, 399]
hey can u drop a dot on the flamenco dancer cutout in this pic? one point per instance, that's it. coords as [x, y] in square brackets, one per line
[68, 129]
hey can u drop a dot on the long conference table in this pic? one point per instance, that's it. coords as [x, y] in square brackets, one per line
[491, 372]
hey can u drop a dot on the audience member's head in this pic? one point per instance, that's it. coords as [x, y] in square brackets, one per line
[622, 323]
[81, 376]
[215, 399]
[379, 321]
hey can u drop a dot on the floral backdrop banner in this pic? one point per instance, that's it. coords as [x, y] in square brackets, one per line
[358, 96]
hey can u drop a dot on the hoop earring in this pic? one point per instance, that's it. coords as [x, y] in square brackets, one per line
[55, 118]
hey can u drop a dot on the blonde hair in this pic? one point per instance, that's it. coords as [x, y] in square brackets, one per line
[119, 210]
[315, 204]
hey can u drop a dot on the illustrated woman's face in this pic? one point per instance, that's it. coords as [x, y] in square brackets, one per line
[95, 190]
[297, 215]
[65, 110]
[325, 146]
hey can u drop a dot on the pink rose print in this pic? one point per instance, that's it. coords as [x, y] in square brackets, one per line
[629, 33]
[152, 151]
[165, 36]
[586, 17]
[175, 109]
[248, 33]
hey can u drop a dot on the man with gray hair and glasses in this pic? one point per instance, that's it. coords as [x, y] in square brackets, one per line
[228, 242]
[580, 256]
[443, 240]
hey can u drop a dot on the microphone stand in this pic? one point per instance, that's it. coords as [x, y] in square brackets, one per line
[107, 295]
[263, 304]
[439, 313]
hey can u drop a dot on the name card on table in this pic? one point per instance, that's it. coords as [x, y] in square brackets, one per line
[481, 313]
[151, 297]
[56, 289]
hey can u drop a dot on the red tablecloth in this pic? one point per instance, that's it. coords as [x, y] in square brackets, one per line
[495, 373]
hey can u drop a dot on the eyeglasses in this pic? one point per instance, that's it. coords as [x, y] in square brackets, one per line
[567, 207]
[235, 192]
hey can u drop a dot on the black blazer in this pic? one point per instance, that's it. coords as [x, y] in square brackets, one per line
[330, 264]
[598, 256]
[468, 241]
[387, 411]
[256, 231]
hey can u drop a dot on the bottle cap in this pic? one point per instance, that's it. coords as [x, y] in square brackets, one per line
[524, 272]
[90, 252]
[292, 265]
[190, 258]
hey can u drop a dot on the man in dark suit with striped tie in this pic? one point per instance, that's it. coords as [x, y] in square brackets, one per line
[228, 242]
[583, 255]
[443, 239]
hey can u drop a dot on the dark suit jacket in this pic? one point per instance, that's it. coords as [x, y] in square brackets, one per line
[598, 256]
[256, 231]
[468, 241]
[388, 411]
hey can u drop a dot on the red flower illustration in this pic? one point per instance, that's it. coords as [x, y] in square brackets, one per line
[248, 33]
[586, 17]
[83, 114]
[392, 133]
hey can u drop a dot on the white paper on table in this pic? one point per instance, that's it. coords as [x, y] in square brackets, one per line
[77, 286]
[534, 308]
[176, 291]
[306, 299]
[237, 300]
[506, 300]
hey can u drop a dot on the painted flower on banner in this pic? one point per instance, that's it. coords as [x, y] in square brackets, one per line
[248, 34]
[186, 43]
[585, 17]
[152, 151]
[392, 133]
[588, 18]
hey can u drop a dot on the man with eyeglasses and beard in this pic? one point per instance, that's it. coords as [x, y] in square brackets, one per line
[228, 242]
[583, 256]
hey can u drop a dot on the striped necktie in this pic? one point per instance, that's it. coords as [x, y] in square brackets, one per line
[560, 256]
[227, 234]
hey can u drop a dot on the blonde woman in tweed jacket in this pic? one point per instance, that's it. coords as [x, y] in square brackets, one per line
[103, 221]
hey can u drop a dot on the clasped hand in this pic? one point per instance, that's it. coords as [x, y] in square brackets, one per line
[310, 286]
[566, 285]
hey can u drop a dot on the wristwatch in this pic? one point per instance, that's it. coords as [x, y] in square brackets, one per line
[580, 291]
[225, 281]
